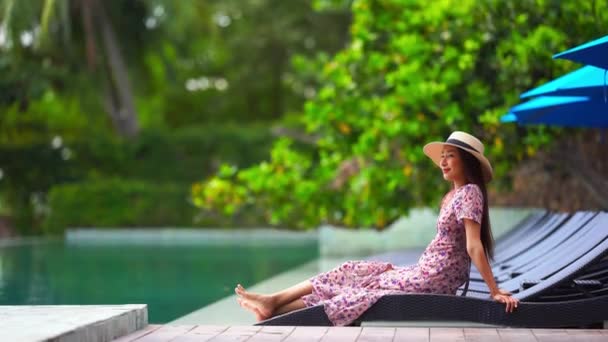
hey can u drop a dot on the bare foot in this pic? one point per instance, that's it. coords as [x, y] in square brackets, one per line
[261, 305]
[247, 305]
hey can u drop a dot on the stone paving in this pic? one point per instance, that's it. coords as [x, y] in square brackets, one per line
[202, 333]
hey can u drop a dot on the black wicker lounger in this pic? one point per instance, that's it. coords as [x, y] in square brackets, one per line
[559, 257]
[525, 236]
[585, 279]
[541, 238]
[521, 229]
[447, 308]
[530, 257]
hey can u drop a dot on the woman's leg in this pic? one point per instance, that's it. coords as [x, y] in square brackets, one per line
[294, 305]
[265, 306]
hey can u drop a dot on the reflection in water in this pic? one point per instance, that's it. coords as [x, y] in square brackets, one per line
[172, 280]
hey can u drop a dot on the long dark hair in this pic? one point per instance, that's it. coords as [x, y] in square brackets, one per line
[473, 173]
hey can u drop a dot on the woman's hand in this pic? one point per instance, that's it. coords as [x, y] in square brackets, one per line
[504, 292]
[503, 296]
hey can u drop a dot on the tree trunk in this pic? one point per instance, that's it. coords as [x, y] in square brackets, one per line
[119, 95]
[279, 57]
[91, 43]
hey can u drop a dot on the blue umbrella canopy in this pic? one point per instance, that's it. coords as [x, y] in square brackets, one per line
[565, 111]
[593, 53]
[586, 81]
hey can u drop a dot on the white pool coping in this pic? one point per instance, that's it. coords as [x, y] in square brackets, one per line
[70, 323]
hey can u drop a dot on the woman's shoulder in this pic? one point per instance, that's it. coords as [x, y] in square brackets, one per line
[459, 194]
[469, 189]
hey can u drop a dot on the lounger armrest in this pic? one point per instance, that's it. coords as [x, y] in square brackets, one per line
[587, 284]
[526, 284]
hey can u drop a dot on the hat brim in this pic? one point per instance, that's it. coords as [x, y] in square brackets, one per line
[433, 151]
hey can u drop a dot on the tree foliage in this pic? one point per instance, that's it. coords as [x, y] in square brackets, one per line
[207, 79]
[81, 35]
[233, 57]
[413, 72]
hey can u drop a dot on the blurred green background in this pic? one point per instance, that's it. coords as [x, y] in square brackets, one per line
[238, 113]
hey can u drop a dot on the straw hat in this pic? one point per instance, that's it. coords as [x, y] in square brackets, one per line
[466, 142]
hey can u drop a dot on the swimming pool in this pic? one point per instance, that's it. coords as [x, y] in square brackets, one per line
[172, 278]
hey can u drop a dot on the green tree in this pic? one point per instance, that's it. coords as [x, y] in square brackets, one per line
[413, 72]
[50, 29]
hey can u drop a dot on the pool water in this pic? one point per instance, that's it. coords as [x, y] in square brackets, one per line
[172, 280]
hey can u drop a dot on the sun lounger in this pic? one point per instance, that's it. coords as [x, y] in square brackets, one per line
[526, 259]
[532, 237]
[525, 237]
[574, 247]
[510, 267]
[521, 230]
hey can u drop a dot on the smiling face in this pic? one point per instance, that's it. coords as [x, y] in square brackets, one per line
[452, 165]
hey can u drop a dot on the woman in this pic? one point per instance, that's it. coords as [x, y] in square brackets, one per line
[463, 235]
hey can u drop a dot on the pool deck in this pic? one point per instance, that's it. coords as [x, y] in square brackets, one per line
[176, 333]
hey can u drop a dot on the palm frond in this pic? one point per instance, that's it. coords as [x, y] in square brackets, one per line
[47, 14]
[7, 13]
[64, 14]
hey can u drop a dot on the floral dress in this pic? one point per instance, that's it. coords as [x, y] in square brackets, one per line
[350, 289]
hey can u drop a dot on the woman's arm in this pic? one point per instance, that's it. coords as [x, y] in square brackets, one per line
[479, 259]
